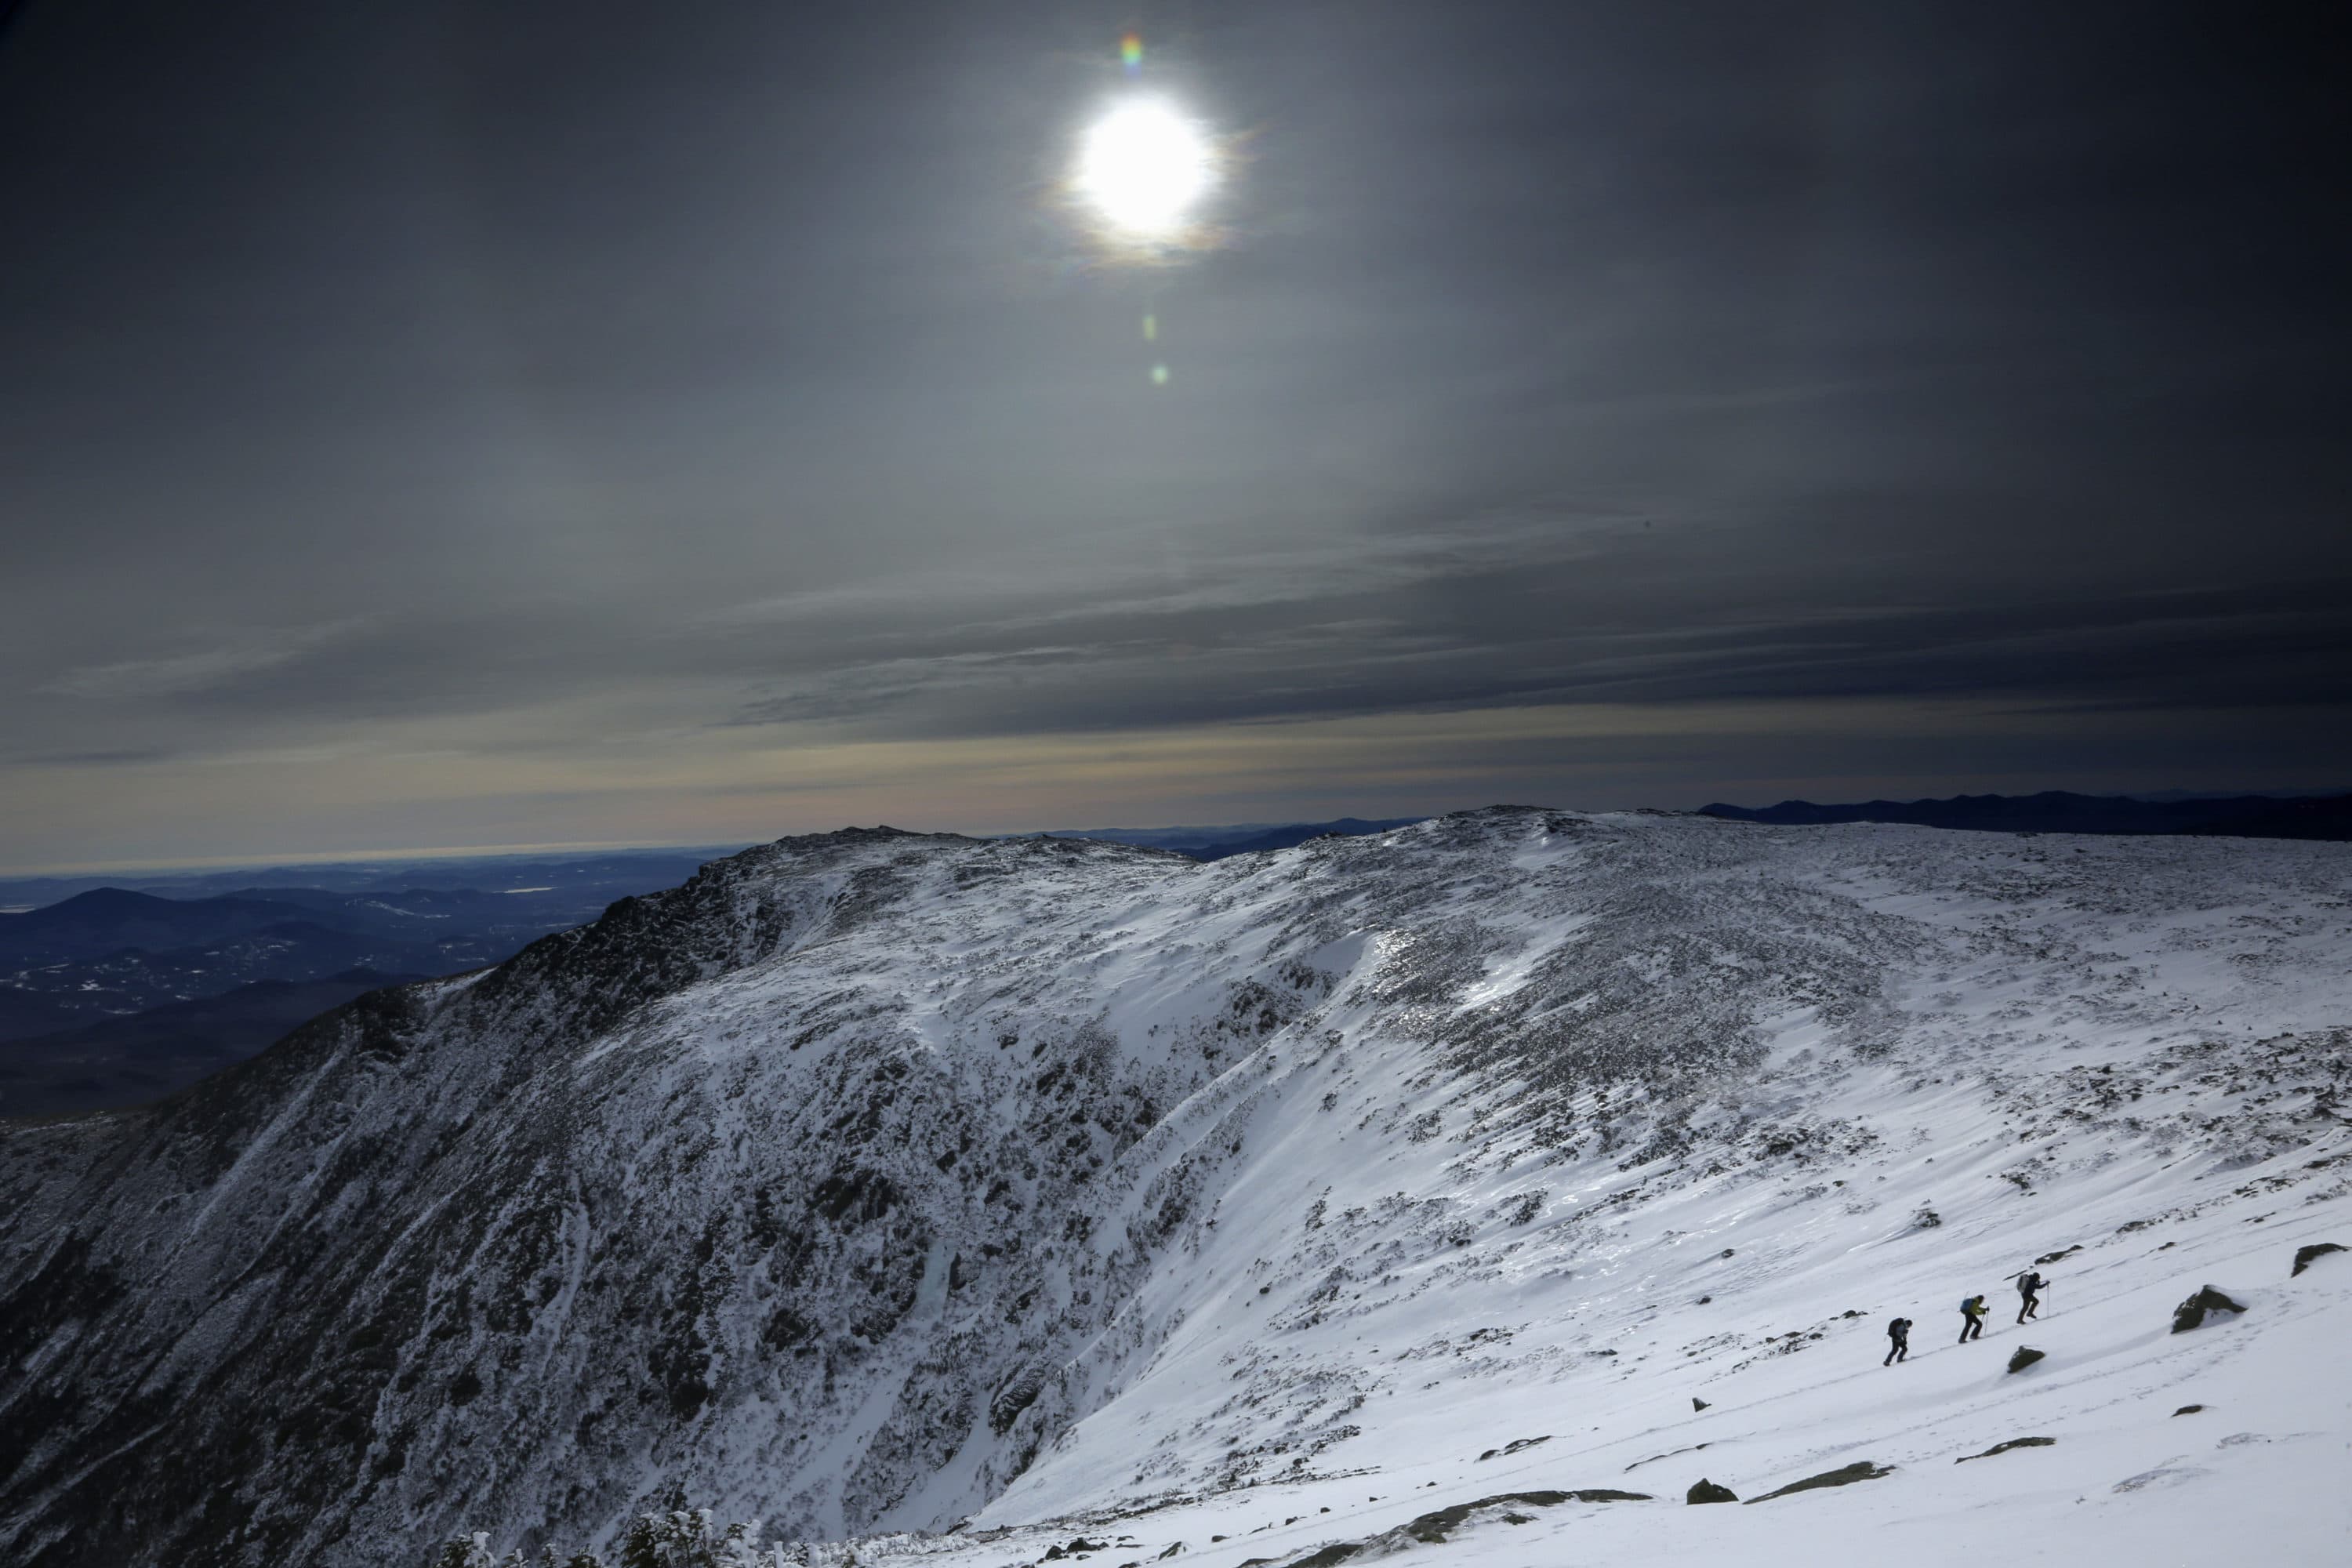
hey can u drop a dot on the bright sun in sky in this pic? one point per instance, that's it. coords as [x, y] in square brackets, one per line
[1144, 167]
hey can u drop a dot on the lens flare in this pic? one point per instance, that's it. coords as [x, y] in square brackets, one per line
[1143, 166]
[1130, 53]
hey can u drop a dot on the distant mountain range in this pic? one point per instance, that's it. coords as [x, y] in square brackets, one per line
[1235, 839]
[107, 919]
[585, 882]
[2057, 811]
[112, 995]
[111, 950]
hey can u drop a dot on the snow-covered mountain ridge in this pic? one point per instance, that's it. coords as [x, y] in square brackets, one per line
[874, 1182]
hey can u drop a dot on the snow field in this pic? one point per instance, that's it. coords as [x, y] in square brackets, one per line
[1595, 1327]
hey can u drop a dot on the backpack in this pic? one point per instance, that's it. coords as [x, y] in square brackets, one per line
[2027, 1284]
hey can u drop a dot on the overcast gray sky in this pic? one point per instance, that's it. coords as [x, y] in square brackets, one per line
[462, 425]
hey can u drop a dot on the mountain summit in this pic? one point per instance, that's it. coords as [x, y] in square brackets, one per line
[885, 1182]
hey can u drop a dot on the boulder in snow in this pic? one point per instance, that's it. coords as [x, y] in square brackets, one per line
[2305, 1256]
[1844, 1476]
[2005, 1447]
[2191, 1313]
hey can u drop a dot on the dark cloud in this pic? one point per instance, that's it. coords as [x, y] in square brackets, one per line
[544, 382]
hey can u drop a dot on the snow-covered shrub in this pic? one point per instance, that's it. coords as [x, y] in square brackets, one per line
[466, 1552]
[474, 1551]
[674, 1538]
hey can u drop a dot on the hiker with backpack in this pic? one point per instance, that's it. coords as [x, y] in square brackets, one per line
[2028, 1294]
[1898, 1334]
[1972, 1317]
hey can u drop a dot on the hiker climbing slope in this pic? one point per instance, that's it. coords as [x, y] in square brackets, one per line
[1898, 1334]
[2028, 1295]
[1972, 1317]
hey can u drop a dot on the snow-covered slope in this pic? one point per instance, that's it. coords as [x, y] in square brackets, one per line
[876, 1181]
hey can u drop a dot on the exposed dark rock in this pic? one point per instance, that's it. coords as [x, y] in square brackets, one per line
[2061, 1253]
[1339, 1552]
[1669, 1454]
[2188, 1410]
[1430, 1529]
[2024, 1356]
[2005, 1447]
[68, 1287]
[1705, 1491]
[2191, 1313]
[2305, 1256]
[1697, 1403]
[1844, 1476]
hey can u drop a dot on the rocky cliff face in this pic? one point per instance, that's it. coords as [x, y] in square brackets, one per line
[840, 1185]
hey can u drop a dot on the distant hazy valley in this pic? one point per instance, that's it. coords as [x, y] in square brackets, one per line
[111, 995]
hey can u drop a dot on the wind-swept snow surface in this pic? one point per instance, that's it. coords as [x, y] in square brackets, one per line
[874, 1182]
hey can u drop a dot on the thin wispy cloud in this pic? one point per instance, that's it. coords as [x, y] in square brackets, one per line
[722, 419]
[201, 669]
